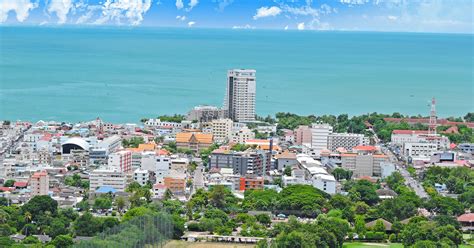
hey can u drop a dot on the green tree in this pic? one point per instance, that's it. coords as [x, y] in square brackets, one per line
[38, 205]
[102, 202]
[359, 226]
[86, 225]
[9, 183]
[63, 241]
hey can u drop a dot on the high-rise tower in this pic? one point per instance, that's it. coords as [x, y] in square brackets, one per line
[239, 102]
[433, 122]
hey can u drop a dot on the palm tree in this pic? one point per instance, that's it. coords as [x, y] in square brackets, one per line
[120, 202]
[27, 217]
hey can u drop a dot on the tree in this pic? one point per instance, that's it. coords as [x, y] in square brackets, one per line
[359, 225]
[102, 202]
[86, 225]
[287, 171]
[135, 212]
[469, 117]
[3, 201]
[9, 183]
[63, 241]
[168, 195]
[120, 203]
[31, 240]
[264, 219]
[39, 205]
[365, 191]
[395, 180]
[379, 226]
[217, 196]
[340, 173]
[57, 227]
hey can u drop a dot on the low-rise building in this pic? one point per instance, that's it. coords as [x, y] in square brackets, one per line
[251, 182]
[121, 160]
[196, 142]
[346, 141]
[141, 176]
[176, 182]
[108, 176]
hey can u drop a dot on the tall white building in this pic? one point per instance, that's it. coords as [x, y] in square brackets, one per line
[240, 96]
[319, 137]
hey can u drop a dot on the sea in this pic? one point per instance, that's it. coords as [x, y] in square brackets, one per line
[125, 74]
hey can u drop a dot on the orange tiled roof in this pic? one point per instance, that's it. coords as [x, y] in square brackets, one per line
[204, 138]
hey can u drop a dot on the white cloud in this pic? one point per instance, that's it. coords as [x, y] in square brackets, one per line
[181, 18]
[21, 8]
[266, 12]
[118, 11]
[222, 4]
[247, 26]
[355, 2]
[179, 4]
[301, 26]
[61, 8]
[286, 27]
[191, 23]
[192, 4]
[392, 18]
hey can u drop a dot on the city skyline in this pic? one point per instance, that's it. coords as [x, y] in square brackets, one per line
[340, 15]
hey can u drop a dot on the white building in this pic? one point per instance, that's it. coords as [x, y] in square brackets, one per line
[221, 130]
[346, 141]
[419, 150]
[204, 113]
[108, 176]
[121, 160]
[242, 135]
[157, 123]
[400, 137]
[39, 183]
[319, 137]
[363, 164]
[387, 169]
[160, 165]
[111, 144]
[240, 96]
[141, 176]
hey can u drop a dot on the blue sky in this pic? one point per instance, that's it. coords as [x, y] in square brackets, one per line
[445, 16]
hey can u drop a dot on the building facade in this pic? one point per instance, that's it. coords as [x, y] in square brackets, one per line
[222, 130]
[108, 176]
[240, 96]
[319, 137]
[346, 141]
[121, 160]
[39, 183]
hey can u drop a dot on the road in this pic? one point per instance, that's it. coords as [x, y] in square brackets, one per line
[198, 179]
[409, 180]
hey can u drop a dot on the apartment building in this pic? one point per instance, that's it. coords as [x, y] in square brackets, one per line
[242, 135]
[176, 182]
[346, 141]
[39, 183]
[363, 164]
[319, 137]
[222, 130]
[240, 96]
[121, 160]
[108, 176]
[204, 113]
[251, 182]
[141, 176]
[303, 135]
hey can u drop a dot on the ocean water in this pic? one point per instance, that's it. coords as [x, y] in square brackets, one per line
[124, 74]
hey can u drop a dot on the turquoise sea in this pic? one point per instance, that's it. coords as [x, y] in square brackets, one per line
[124, 74]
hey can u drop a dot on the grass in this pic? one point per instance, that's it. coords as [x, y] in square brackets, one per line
[374, 245]
[184, 244]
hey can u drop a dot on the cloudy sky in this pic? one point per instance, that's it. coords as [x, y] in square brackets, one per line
[357, 15]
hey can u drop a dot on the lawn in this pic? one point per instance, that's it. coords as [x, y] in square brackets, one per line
[375, 245]
[184, 244]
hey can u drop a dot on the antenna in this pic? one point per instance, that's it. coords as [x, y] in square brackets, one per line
[433, 123]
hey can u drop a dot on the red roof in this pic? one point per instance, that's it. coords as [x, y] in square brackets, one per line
[409, 132]
[39, 174]
[20, 184]
[365, 148]
[7, 189]
[466, 218]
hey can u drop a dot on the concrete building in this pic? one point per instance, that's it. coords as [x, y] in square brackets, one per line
[256, 162]
[121, 160]
[319, 137]
[39, 183]
[285, 159]
[401, 137]
[204, 113]
[251, 182]
[141, 176]
[242, 135]
[108, 176]
[467, 147]
[110, 144]
[159, 165]
[346, 141]
[222, 130]
[176, 182]
[419, 150]
[363, 164]
[386, 169]
[303, 135]
[240, 96]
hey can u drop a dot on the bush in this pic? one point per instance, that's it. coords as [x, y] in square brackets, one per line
[392, 238]
[378, 236]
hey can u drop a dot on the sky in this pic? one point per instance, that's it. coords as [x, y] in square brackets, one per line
[440, 16]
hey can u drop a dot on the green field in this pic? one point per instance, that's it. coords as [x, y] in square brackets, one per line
[375, 245]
